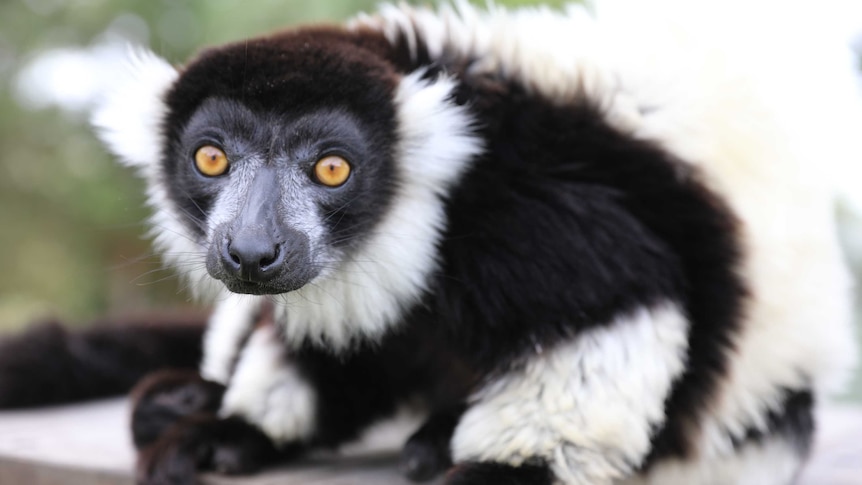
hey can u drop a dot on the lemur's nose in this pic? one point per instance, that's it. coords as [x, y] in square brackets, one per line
[253, 255]
[258, 252]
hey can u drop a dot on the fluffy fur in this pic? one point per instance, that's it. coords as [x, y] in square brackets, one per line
[593, 244]
[587, 408]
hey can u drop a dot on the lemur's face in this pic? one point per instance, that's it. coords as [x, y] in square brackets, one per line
[303, 164]
[280, 176]
[278, 198]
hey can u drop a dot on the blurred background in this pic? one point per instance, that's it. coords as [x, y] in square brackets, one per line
[71, 220]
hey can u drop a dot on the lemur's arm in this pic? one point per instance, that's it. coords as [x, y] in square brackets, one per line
[275, 402]
[272, 401]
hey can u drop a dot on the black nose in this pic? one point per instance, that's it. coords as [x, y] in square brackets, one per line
[253, 256]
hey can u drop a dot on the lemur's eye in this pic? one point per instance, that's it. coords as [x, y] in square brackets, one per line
[332, 171]
[211, 161]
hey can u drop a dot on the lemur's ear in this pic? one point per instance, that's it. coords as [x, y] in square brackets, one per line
[129, 117]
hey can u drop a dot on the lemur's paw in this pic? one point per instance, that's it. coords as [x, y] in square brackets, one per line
[205, 443]
[485, 473]
[165, 397]
[424, 460]
[426, 453]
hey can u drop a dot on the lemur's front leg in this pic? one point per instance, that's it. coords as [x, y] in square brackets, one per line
[581, 412]
[275, 403]
[177, 431]
[179, 422]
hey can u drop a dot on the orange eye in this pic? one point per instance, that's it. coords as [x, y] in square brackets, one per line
[211, 161]
[332, 171]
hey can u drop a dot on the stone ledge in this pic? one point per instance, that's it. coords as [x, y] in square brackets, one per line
[89, 444]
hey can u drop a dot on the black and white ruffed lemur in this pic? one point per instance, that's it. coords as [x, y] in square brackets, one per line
[594, 245]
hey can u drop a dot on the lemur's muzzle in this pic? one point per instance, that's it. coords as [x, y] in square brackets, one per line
[258, 252]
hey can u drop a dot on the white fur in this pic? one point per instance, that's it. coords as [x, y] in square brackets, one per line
[229, 324]
[587, 406]
[129, 121]
[129, 117]
[268, 391]
[368, 293]
[774, 462]
[734, 89]
[759, 115]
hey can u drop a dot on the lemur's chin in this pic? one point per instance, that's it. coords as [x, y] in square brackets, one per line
[254, 289]
[271, 287]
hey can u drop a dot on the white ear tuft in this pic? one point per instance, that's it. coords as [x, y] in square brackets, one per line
[128, 118]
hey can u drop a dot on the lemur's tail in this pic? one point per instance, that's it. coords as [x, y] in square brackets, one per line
[49, 364]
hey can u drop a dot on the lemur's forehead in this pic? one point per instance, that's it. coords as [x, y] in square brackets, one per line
[271, 132]
[236, 116]
[290, 72]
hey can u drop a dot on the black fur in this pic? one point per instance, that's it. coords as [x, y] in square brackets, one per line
[499, 474]
[49, 365]
[376, 378]
[204, 442]
[427, 452]
[283, 103]
[793, 421]
[165, 397]
[177, 432]
[565, 223]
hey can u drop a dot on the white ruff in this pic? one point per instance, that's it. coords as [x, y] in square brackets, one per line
[587, 406]
[368, 293]
[129, 121]
[129, 117]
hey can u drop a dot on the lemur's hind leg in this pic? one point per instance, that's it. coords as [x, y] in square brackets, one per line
[581, 412]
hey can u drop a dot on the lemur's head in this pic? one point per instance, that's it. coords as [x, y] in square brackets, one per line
[302, 164]
[279, 153]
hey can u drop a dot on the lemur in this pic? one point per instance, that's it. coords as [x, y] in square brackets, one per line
[593, 245]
